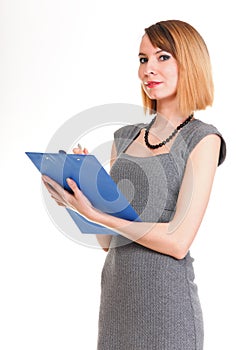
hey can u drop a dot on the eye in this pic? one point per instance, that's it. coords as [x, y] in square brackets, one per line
[143, 60]
[164, 57]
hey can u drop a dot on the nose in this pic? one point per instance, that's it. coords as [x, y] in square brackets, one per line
[151, 68]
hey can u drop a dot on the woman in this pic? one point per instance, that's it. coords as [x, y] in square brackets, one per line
[149, 299]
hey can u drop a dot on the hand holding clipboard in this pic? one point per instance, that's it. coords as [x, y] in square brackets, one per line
[92, 179]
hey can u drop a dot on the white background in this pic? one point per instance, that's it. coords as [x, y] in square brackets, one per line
[57, 59]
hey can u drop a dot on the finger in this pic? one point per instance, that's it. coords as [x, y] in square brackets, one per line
[77, 150]
[59, 201]
[57, 197]
[58, 192]
[51, 191]
[49, 187]
[62, 198]
[52, 183]
[72, 184]
[80, 150]
[61, 204]
[78, 196]
[53, 187]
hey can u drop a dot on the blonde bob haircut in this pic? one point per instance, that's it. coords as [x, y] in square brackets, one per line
[195, 89]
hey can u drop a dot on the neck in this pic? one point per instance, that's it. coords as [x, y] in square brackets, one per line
[170, 114]
[168, 109]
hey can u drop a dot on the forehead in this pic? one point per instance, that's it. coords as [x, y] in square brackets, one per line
[146, 45]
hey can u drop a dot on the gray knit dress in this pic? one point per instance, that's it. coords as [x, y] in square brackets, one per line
[149, 300]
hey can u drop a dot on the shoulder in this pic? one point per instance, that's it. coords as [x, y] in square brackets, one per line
[128, 131]
[198, 131]
[124, 136]
[198, 126]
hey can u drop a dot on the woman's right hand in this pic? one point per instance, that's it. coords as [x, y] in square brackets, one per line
[79, 150]
[103, 240]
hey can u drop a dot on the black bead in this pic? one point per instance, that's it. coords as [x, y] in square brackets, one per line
[168, 138]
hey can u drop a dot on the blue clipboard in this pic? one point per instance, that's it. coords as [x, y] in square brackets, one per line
[94, 182]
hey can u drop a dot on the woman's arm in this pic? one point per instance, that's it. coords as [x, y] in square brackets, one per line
[103, 240]
[173, 238]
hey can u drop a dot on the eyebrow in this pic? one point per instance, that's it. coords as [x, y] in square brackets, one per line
[143, 54]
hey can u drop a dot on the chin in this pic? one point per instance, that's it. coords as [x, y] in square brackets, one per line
[158, 96]
[154, 96]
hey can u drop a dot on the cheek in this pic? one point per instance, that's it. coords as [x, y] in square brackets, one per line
[172, 73]
[175, 72]
[140, 72]
[176, 78]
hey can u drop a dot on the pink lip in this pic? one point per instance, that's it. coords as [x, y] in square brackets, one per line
[152, 84]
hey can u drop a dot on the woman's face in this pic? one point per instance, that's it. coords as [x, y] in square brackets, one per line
[158, 71]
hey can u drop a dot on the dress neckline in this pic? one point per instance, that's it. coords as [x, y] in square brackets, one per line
[159, 154]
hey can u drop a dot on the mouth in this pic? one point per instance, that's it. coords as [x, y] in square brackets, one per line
[152, 84]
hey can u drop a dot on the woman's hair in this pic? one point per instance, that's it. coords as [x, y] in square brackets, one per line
[195, 88]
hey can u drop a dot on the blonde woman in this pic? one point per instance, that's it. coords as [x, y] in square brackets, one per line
[166, 168]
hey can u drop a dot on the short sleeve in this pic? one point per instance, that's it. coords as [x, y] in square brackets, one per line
[125, 135]
[202, 131]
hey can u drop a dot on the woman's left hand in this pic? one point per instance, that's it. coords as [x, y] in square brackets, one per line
[76, 201]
